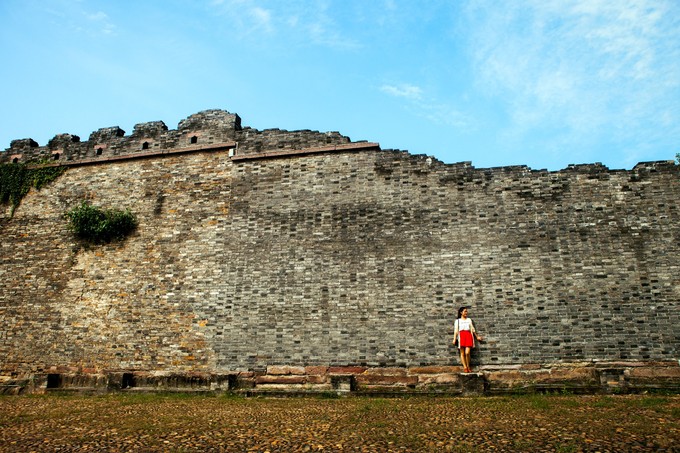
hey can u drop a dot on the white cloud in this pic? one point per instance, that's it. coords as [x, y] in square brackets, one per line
[446, 115]
[403, 90]
[262, 17]
[101, 21]
[319, 23]
[246, 17]
[587, 67]
[426, 107]
[75, 17]
[295, 21]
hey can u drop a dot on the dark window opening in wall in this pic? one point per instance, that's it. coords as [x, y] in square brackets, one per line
[53, 381]
[128, 381]
[145, 145]
[16, 160]
[55, 156]
[194, 140]
[99, 151]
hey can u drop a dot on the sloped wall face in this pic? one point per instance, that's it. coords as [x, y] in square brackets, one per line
[347, 258]
[121, 305]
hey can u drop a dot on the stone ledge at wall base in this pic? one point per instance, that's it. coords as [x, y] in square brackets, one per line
[577, 378]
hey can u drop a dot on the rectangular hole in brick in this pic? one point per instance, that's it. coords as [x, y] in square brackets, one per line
[128, 381]
[53, 381]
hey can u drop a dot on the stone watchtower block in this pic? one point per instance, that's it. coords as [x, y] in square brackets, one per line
[63, 146]
[62, 141]
[211, 120]
[105, 134]
[146, 136]
[20, 149]
[23, 144]
[209, 126]
[152, 129]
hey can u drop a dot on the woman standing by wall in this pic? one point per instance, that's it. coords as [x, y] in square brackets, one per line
[465, 334]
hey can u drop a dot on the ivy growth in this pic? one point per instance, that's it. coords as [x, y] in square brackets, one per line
[98, 225]
[17, 179]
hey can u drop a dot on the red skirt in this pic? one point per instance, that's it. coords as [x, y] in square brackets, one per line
[465, 340]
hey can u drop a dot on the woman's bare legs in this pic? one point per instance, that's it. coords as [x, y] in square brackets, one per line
[465, 359]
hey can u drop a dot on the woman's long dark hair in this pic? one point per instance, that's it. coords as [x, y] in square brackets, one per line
[460, 311]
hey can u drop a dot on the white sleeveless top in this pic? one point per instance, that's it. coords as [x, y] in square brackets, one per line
[464, 324]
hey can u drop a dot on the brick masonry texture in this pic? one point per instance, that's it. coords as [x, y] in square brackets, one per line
[349, 258]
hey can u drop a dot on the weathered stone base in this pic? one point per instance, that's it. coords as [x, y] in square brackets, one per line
[610, 377]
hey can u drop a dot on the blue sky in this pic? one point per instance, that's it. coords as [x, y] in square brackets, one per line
[542, 83]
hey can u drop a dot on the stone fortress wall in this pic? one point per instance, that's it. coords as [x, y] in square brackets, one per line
[281, 261]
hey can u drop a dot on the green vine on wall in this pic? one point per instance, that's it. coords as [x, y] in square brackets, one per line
[98, 225]
[17, 179]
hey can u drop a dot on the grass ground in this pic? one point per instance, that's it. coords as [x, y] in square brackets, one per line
[180, 422]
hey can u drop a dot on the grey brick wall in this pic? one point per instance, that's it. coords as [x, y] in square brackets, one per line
[356, 257]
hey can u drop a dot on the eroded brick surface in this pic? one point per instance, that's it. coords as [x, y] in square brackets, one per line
[344, 260]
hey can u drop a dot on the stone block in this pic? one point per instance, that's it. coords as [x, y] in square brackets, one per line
[242, 383]
[507, 379]
[280, 379]
[439, 379]
[286, 370]
[434, 369]
[580, 375]
[472, 384]
[346, 369]
[393, 371]
[669, 372]
[316, 370]
[530, 366]
[317, 379]
[386, 380]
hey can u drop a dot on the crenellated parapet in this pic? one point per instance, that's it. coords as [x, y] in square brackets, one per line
[209, 129]
[219, 130]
